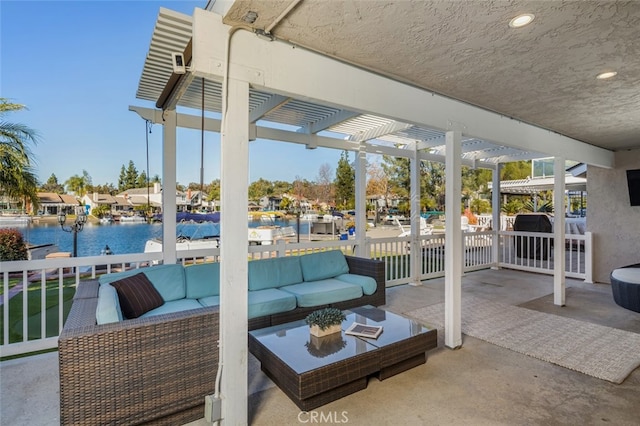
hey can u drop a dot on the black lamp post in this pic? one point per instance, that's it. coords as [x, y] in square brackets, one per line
[75, 227]
[296, 210]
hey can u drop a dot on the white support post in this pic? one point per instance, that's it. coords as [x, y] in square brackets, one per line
[416, 249]
[588, 257]
[234, 171]
[361, 201]
[169, 209]
[496, 223]
[559, 284]
[453, 242]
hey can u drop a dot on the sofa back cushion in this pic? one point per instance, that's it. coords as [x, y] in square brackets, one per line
[202, 280]
[263, 274]
[167, 279]
[290, 270]
[323, 265]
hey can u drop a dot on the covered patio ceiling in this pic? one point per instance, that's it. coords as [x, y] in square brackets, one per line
[542, 74]
[173, 32]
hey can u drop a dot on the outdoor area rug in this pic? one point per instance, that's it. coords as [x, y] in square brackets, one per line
[603, 352]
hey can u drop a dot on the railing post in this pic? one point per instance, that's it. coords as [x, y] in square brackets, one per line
[281, 248]
[588, 257]
[495, 249]
[367, 248]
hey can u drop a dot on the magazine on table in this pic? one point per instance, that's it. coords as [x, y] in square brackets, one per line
[364, 330]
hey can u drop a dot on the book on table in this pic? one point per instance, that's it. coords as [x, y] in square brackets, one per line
[364, 330]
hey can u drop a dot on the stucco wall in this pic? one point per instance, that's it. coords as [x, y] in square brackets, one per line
[614, 223]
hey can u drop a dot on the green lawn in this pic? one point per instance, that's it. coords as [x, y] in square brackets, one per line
[34, 307]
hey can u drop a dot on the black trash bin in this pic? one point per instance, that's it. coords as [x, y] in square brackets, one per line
[532, 247]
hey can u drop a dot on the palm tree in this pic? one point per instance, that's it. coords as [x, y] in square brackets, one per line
[17, 176]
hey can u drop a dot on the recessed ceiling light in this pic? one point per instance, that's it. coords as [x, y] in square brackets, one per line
[521, 20]
[606, 75]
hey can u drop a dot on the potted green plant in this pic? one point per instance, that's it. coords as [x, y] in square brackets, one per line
[325, 321]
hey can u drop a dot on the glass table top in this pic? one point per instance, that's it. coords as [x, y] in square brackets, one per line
[294, 345]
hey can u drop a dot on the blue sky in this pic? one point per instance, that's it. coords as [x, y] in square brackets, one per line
[76, 66]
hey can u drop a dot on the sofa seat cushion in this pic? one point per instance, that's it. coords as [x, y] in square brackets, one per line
[322, 292]
[209, 301]
[270, 301]
[108, 309]
[174, 306]
[322, 265]
[137, 295]
[627, 275]
[167, 279]
[368, 284]
[202, 280]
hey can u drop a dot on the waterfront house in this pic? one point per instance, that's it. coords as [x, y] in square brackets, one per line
[52, 203]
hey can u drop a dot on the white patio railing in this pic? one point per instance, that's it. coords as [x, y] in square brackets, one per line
[37, 295]
[533, 252]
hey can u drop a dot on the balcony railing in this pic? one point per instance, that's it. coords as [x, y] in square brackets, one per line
[37, 295]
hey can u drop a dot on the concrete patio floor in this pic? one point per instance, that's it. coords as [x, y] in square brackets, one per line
[479, 384]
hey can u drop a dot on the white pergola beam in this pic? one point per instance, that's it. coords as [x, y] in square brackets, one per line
[273, 103]
[376, 132]
[329, 122]
[213, 125]
[261, 63]
[519, 156]
[431, 143]
[473, 145]
[494, 152]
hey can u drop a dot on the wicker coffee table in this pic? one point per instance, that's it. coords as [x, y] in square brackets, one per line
[315, 371]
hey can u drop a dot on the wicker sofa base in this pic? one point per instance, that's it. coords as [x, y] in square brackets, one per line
[146, 370]
[154, 370]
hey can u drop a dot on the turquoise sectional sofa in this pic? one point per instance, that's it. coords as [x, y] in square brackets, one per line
[276, 286]
[157, 368]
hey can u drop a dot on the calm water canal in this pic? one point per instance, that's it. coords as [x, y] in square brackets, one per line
[121, 238]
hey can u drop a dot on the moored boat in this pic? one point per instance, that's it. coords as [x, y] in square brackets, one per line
[132, 219]
[106, 220]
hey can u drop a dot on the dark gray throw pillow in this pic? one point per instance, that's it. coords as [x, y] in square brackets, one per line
[137, 295]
